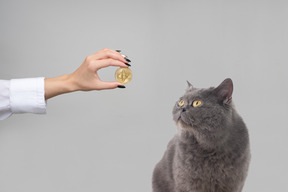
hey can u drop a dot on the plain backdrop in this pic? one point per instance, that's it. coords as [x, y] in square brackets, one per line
[111, 140]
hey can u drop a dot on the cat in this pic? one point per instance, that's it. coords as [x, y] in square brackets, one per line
[211, 151]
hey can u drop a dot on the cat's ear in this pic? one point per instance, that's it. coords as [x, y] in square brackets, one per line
[190, 86]
[224, 91]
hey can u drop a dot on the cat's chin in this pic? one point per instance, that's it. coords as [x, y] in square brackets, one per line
[182, 125]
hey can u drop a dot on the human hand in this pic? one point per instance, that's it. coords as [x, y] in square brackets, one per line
[85, 78]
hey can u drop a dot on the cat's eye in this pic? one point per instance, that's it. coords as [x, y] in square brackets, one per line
[196, 103]
[181, 103]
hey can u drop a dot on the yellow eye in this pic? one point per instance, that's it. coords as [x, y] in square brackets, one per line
[181, 103]
[196, 103]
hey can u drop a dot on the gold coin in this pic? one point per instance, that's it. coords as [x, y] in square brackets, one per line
[123, 75]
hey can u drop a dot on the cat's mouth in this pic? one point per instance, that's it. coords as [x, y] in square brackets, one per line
[182, 124]
[182, 120]
[185, 120]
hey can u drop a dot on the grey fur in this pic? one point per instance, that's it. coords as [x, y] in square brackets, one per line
[210, 152]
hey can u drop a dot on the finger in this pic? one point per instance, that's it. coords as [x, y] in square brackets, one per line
[109, 54]
[125, 56]
[110, 85]
[109, 62]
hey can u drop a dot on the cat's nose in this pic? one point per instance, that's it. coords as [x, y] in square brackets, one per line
[183, 109]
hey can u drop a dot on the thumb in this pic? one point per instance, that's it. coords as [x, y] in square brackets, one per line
[110, 85]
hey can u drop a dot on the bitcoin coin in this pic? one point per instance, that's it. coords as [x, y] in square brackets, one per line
[123, 75]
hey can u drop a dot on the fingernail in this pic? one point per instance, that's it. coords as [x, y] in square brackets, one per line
[118, 50]
[128, 64]
[128, 60]
[121, 86]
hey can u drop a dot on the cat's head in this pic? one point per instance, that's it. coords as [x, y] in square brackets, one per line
[205, 112]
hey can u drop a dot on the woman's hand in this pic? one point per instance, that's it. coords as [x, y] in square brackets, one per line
[85, 78]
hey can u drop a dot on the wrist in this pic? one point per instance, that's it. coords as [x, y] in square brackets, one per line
[59, 85]
[68, 83]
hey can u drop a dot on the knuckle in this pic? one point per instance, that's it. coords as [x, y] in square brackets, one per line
[105, 49]
[88, 59]
[109, 54]
[89, 63]
[110, 61]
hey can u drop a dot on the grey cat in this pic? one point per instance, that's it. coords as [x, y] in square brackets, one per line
[210, 152]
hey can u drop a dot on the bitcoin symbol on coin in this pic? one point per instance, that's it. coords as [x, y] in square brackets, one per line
[123, 75]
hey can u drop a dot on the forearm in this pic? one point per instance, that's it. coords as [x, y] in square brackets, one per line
[59, 85]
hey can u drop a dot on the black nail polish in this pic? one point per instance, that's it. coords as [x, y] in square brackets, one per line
[128, 64]
[121, 86]
[128, 60]
[118, 50]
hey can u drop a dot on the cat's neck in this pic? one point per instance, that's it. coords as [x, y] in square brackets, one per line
[196, 140]
[187, 138]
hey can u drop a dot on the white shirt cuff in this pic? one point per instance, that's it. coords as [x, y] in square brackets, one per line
[27, 95]
[5, 109]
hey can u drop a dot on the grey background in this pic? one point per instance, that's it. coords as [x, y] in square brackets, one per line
[111, 140]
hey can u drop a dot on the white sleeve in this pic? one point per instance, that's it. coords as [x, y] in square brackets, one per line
[22, 96]
[5, 109]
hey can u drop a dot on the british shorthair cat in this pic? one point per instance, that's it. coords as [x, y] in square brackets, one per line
[210, 152]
